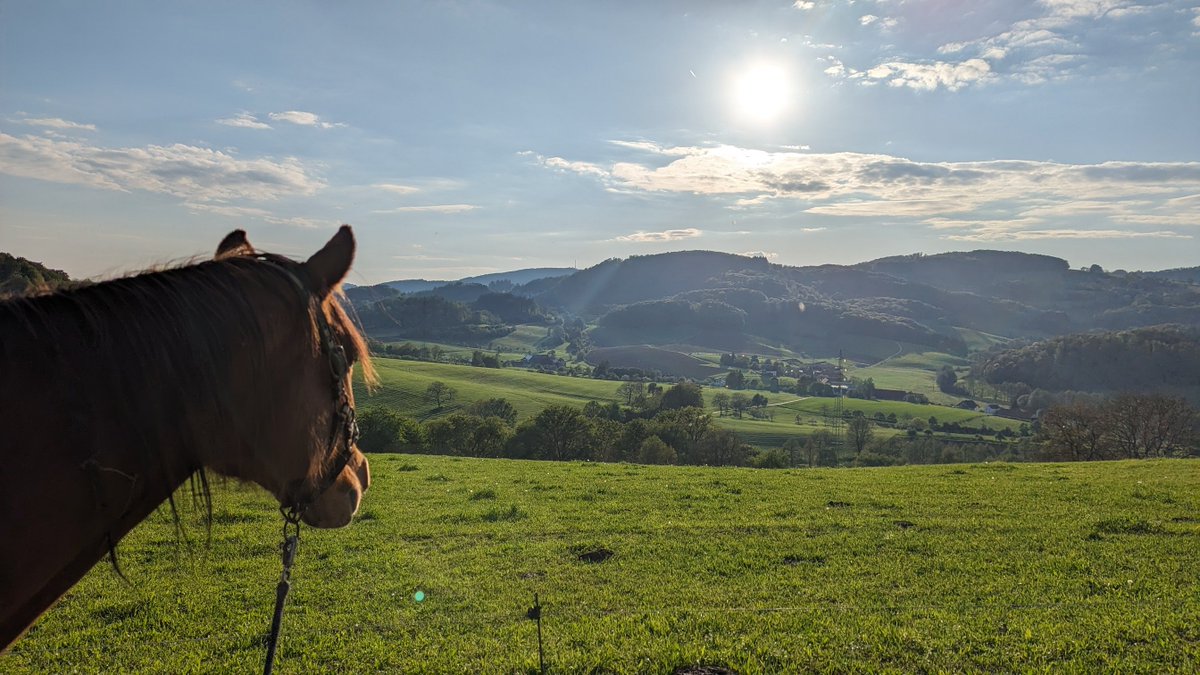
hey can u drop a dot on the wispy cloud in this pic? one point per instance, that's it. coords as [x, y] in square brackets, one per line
[192, 173]
[54, 123]
[244, 120]
[665, 235]
[396, 188]
[264, 215]
[1055, 41]
[804, 4]
[1032, 235]
[885, 23]
[1027, 195]
[305, 119]
[769, 255]
[430, 208]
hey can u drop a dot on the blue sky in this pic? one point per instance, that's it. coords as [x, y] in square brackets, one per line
[462, 138]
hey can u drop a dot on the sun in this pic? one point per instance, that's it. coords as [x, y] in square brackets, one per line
[761, 93]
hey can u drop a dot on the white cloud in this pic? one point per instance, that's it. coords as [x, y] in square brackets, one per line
[983, 197]
[303, 118]
[54, 123]
[769, 255]
[1032, 235]
[244, 120]
[396, 188]
[804, 4]
[430, 208]
[930, 76]
[192, 173]
[264, 215]
[666, 235]
[885, 23]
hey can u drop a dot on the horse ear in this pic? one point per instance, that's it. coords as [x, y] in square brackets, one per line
[234, 243]
[327, 267]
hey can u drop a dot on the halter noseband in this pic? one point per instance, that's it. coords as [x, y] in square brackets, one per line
[344, 424]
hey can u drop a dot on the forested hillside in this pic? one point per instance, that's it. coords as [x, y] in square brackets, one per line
[1157, 358]
[19, 276]
[728, 302]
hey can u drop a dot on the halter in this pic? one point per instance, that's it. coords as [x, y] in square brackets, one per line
[344, 425]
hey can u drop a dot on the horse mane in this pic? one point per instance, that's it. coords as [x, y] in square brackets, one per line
[179, 325]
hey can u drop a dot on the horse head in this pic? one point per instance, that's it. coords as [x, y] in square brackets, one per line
[301, 444]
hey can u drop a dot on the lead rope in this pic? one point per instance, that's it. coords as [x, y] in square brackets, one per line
[291, 520]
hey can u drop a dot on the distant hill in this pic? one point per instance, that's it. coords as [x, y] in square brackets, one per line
[19, 276]
[519, 277]
[410, 285]
[1189, 275]
[1156, 358]
[721, 301]
[513, 278]
[709, 298]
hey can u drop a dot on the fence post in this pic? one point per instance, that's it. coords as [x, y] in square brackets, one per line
[535, 614]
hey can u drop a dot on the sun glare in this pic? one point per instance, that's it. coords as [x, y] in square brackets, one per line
[761, 92]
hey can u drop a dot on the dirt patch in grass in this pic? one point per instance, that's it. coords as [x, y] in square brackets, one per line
[590, 553]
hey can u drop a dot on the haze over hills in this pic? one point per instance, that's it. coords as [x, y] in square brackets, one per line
[723, 301]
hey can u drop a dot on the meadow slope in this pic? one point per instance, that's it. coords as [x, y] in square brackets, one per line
[998, 567]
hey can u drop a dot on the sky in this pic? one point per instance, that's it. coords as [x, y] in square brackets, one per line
[469, 137]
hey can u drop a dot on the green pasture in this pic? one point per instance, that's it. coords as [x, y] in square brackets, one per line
[524, 338]
[403, 385]
[961, 568]
[903, 411]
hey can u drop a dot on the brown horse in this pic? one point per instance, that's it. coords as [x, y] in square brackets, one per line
[113, 394]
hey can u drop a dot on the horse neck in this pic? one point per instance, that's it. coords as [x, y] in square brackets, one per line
[95, 445]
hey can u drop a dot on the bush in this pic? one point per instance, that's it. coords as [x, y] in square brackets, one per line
[771, 459]
[383, 430]
[876, 459]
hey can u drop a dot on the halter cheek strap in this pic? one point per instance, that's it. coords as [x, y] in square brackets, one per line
[343, 432]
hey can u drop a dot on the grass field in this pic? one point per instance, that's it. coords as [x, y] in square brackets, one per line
[404, 383]
[994, 568]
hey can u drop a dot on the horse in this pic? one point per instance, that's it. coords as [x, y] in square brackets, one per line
[113, 394]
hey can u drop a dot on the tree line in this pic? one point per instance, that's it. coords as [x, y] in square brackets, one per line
[1126, 426]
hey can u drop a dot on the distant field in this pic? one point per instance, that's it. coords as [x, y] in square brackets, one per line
[524, 339]
[655, 358]
[965, 568]
[404, 384]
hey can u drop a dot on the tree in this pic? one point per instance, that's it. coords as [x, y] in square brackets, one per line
[488, 437]
[1149, 425]
[630, 391]
[451, 435]
[758, 401]
[739, 403]
[772, 459]
[682, 395]
[383, 430]
[654, 450]
[720, 401]
[494, 407]
[1075, 431]
[721, 447]
[735, 380]
[683, 430]
[562, 433]
[859, 431]
[947, 380]
[795, 451]
[439, 391]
